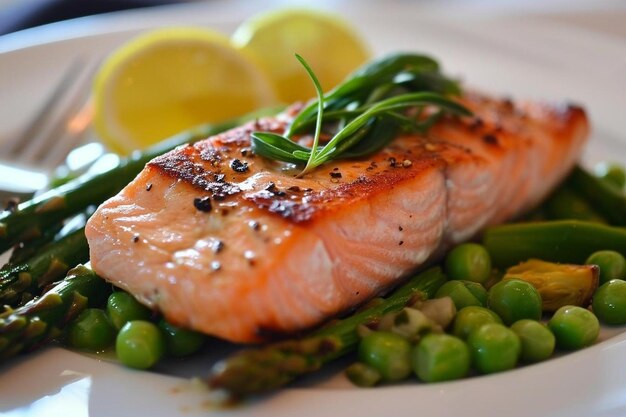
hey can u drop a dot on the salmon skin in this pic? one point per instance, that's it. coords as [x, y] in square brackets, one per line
[235, 245]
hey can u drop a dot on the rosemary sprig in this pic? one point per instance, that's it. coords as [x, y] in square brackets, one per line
[366, 111]
[312, 154]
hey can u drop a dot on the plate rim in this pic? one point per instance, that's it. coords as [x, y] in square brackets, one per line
[391, 394]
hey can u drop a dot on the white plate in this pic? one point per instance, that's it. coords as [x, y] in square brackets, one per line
[530, 56]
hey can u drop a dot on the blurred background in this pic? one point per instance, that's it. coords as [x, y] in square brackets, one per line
[598, 15]
[22, 14]
[573, 42]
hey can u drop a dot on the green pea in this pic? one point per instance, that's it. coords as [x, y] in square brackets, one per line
[612, 265]
[471, 318]
[574, 327]
[387, 353]
[91, 330]
[123, 307]
[440, 357]
[494, 348]
[609, 302]
[139, 344]
[463, 293]
[478, 290]
[468, 261]
[363, 375]
[180, 341]
[537, 340]
[514, 299]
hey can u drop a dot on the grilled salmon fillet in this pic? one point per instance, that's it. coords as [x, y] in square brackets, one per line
[234, 245]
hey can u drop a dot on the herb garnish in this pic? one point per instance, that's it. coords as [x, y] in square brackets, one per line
[364, 113]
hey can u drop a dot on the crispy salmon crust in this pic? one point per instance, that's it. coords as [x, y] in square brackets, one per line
[234, 245]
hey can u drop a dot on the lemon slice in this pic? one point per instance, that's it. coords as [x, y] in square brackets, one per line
[172, 79]
[328, 43]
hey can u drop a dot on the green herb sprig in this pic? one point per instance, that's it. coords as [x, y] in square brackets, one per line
[364, 113]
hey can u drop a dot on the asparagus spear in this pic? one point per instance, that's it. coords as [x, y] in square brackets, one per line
[32, 217]
[41, 320]
[23, 251]
[266, 368]
[20, 282]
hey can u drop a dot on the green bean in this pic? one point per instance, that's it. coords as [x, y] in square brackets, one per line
[567, 241]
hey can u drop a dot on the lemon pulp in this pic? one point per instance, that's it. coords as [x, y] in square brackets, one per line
[328, 43]
[172, 79]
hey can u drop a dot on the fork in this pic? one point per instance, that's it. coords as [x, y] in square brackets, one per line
[60, 124]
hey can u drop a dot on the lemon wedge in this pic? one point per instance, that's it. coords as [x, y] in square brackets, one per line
[172, 79]
[328, 43]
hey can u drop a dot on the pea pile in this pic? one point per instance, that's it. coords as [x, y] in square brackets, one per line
[140, 338]
[485, 323]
